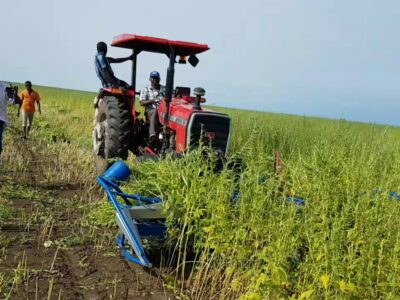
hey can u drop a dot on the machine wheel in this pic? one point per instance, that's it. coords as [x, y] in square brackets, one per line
[113, 130]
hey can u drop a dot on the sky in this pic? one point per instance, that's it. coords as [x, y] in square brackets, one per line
[331, 58]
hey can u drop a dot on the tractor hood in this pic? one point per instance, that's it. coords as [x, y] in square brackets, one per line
[190, 124]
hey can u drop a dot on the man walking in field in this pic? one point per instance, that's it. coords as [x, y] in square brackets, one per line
[3, 111]
[29, 100]
[103, 67]
[150, 98]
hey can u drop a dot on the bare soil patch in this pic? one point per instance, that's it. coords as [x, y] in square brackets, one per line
[48, 250]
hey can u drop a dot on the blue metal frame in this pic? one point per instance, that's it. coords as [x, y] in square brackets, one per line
[132, 229]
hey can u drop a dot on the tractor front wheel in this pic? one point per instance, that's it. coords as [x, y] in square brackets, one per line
[112, 133]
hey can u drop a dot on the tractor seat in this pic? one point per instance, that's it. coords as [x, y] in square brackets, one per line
[181, 91]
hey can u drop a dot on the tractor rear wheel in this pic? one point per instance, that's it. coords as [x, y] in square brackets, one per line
[113, 130]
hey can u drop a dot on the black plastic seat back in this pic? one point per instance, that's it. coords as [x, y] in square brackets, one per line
[181, 91]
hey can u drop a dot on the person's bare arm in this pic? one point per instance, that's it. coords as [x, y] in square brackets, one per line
[39, 108]
[144, 98]
[119, 60]
[146, 102]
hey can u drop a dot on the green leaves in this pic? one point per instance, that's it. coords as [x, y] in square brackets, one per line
[325, 281]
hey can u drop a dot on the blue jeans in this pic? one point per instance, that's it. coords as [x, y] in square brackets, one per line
[1, 135]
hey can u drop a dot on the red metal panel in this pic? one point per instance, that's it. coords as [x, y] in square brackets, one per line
[158, 45]
[182, 110]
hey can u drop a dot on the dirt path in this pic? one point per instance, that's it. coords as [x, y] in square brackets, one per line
[49, 251]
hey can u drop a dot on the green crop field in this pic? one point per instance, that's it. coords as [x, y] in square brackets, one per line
[344, 243]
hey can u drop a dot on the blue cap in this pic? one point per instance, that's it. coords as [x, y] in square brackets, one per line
[154, 74]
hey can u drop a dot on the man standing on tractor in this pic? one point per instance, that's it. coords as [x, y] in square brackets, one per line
[29, 98]
[103, 68]
[150, 98]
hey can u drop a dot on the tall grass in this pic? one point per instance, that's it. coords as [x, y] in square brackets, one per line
[344, 243]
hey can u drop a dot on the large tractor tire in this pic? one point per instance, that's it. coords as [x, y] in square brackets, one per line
[113, 130]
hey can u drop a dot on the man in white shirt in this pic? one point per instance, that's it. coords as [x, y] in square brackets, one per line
[3, 111]
[150, 98]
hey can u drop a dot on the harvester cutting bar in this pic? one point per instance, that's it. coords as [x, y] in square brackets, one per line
[139, 217]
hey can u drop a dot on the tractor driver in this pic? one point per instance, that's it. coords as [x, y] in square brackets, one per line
[103, 68]
[150, 98]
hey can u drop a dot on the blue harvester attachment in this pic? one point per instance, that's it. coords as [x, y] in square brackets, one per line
[138, 217]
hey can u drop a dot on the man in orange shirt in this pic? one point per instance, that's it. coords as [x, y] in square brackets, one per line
[29, 98]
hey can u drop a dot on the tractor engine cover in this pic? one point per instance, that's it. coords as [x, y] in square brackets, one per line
[194, 125]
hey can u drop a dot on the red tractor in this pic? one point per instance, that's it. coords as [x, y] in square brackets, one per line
[184, 122]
